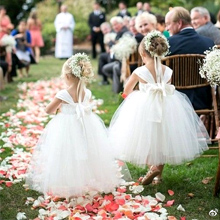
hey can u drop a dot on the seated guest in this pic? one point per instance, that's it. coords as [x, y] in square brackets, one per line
[7, 45]
[145, 23]
[218, 20]
[161, 25]
[104, 58]
[185, 40]
[202, 23]
[109, 35]
[126, 20]
[133, 30]
[23, 47]
[114, 69]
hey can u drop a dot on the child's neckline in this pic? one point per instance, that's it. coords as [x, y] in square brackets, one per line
[73, 99]
[155, 81]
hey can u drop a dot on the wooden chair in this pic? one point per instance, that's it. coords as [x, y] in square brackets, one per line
[186, 76]
[134, 60]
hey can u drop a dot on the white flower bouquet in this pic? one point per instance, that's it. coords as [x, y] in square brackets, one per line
[126, 46]
[210, 68]
[8, 40]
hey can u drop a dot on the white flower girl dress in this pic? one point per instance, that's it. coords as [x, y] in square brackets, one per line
[72, 156]
[157, 124]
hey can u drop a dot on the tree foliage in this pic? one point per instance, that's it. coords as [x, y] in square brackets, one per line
[18, 9]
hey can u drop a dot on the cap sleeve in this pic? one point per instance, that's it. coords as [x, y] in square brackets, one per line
[64, 96]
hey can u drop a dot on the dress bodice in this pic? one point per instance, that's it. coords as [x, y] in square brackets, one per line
[71, 107]
[146, 75]
[35, 28]
[156, 91]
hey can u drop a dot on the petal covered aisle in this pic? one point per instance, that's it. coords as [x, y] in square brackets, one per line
[21, 129]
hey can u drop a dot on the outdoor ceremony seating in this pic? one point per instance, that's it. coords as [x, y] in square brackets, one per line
[186, 76]
[133, 62]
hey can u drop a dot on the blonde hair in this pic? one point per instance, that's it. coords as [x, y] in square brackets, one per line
[150, 18]
[79, 66]
[180, 13]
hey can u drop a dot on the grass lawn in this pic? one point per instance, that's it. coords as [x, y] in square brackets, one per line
[185, 180]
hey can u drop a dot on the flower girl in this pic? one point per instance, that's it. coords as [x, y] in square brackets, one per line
[157, 124]
[72, 156]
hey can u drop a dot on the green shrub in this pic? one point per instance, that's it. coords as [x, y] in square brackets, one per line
[49, 35]
[81, 31]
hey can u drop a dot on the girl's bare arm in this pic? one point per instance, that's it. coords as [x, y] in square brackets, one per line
[53, 106]
[129, 86]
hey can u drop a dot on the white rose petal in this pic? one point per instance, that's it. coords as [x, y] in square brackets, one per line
[160, 196]
[180, 208]
[21, 215]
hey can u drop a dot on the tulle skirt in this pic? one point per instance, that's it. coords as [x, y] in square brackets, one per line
[179, 137]
[71, 159]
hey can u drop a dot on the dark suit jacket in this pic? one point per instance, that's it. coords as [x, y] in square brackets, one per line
[127, 13]
[188, 41]
[120, 33]
[96, 20]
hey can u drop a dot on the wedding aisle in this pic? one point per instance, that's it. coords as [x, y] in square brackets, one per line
[22, 128]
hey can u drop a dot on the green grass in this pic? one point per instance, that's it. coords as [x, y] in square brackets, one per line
[182, 179]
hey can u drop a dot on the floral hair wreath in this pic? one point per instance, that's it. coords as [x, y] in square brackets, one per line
[76, 69]
[147, 43]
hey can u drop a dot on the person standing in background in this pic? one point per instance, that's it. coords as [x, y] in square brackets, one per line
[5, 22]
[147, 7]
[64, 24]
[123, 10]
[96, 18]
[34, 26]
[139, 7]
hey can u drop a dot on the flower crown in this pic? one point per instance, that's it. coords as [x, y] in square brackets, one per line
[147, 43]
[76, 69]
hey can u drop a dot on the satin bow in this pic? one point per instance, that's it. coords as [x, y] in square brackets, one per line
[81, 110]
[157, 93]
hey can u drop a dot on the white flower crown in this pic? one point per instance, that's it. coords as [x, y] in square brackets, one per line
[76, 69]
[147, 42]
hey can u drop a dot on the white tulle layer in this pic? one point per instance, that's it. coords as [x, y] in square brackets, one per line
[66, 163]
[179, 137]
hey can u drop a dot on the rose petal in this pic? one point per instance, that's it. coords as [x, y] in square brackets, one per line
[160, 196]
[170, 192]
[180, 208]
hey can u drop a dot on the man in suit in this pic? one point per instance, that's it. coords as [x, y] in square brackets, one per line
[105, 58]
[185, 40]
[96, 18]
[123, 10]
[201, 21]
[139, 7]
